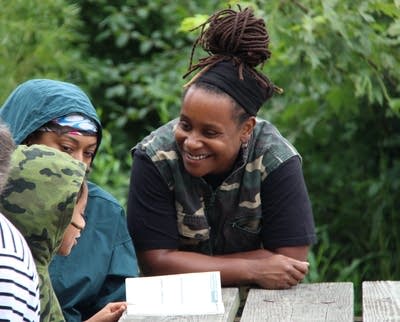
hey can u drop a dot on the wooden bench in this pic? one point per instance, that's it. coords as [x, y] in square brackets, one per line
[381, 301]
[304, 302]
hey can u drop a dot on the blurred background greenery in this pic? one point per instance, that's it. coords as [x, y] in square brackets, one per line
[338, 62]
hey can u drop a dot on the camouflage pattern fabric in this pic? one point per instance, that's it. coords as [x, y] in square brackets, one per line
[39, 199]
[229, 218]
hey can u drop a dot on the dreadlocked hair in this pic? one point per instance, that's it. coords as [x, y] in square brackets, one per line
[237, 36]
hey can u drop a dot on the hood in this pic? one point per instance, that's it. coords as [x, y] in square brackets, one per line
[38, 101]
[40, 196]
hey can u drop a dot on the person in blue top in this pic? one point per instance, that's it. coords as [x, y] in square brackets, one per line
[60, 115]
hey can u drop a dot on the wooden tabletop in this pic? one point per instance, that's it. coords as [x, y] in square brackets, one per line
[381, 301]
[230, 297]
[304, 302]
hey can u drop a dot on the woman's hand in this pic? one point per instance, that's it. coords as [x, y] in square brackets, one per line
[110, 313]
[278, 271]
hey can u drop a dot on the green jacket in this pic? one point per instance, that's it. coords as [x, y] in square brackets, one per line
[39, 200]
[229, 218]
[83, 285]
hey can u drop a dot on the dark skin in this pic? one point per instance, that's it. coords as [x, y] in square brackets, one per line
[80, 147]
[209, 139]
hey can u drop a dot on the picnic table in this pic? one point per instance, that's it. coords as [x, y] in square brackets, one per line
[309, 302]
[381, 301]
[304, 302]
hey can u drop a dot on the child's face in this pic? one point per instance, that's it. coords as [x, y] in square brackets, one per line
[73, 231]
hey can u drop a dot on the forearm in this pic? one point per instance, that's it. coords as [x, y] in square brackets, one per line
[253, 254]
[261, 267]
[299, 252]
[234, 271]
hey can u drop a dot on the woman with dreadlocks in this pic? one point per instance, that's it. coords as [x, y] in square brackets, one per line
[218, 188]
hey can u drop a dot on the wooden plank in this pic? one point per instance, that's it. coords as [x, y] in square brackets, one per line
[381, 300]
[304, 302]
[230, 297]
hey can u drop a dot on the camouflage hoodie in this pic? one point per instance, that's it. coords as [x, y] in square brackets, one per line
[39, 199]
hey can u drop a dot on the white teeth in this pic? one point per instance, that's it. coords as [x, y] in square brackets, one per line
[196, 157]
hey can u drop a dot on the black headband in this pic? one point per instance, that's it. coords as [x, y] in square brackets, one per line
[248, 92]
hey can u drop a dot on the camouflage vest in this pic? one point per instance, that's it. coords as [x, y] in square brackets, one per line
[229, 218]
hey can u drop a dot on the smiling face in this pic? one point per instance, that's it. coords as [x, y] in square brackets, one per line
[208, 134]
[80, 147]
[77, 224]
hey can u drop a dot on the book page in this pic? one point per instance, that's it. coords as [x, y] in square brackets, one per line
[178, 294]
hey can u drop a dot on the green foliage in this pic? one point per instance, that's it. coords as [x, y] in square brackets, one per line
[111, 171]
[127, 43]
[339, 65]
[338, 62]
[140, 55]
[36, 41]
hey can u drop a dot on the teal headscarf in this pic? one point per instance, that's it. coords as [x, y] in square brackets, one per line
[35, 102]
[39, 200]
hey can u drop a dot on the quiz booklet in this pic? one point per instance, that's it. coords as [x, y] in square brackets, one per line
[178, 294]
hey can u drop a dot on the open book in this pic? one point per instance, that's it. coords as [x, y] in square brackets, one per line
[179, 294]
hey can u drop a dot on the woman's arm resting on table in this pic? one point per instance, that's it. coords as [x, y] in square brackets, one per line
[298, 252]
[274, 271]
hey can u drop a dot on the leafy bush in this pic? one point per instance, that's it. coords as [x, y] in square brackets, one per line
[37, 41]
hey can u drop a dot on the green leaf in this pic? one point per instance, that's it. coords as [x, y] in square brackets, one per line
[188, 24]
[394, 104]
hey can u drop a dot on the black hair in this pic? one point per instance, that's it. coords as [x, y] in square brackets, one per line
[238, 36]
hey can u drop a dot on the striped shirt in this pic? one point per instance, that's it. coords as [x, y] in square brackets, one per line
[19, 281]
